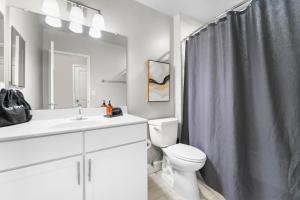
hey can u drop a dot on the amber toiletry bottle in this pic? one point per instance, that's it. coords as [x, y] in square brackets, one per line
[109, 109]
[103, 104]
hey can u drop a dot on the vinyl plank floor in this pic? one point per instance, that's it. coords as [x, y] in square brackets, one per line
[158, 189]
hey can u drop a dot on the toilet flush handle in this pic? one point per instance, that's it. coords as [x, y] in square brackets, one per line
[155, 128]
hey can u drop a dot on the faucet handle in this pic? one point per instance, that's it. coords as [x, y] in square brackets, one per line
[80, 112]
[78, 103]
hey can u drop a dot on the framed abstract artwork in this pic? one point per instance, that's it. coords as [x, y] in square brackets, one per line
[158, 81]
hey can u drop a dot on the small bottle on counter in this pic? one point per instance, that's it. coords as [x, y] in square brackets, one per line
[103, 104]
[109, 109]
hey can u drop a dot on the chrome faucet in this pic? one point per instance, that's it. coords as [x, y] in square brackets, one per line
[80, 111]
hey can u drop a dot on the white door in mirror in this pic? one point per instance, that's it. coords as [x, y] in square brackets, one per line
[80, 85]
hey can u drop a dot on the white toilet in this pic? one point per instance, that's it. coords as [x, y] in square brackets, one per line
[180, 161]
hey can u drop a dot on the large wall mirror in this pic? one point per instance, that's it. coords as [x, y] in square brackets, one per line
[1, 50]
[63, 69]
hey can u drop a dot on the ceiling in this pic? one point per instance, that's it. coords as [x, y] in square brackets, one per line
[202, 10]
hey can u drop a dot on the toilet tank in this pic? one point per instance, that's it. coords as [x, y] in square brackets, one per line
[163, 132]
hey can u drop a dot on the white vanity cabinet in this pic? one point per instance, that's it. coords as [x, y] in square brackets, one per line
[119, 172]
[42, 168]
[107, 163]
[54, 180]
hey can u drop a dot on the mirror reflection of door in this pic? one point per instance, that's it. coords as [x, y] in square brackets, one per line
[50, 74]
[17, 58]
[79, 85]
[70, 80]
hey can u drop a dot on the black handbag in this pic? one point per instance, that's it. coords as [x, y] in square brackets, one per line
[14, 109]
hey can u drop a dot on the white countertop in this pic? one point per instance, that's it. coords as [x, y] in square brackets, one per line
[38, 128]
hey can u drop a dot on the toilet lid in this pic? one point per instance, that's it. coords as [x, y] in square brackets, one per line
[186, 152]
[164, 121]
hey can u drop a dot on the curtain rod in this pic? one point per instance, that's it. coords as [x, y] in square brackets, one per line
[216, 18]
[206, 24]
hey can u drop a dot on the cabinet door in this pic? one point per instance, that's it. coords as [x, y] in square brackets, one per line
[61, 180]
[117, 173]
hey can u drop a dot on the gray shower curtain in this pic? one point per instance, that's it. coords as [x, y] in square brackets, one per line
[242, 101]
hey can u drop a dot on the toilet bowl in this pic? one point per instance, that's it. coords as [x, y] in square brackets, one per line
[181, 162]
[185, 161]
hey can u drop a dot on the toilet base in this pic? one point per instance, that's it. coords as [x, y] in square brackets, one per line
[182, 175]
[186, 185]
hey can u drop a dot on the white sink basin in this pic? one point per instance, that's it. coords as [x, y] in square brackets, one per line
[74, 123]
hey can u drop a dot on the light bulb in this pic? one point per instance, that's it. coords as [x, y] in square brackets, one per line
[98, 22]
[51, 8]
[53, 21]
[95, 33]
[75, 27]
[76, 15]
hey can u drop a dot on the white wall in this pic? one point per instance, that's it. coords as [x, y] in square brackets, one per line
[29, 28]
[183, 26]
[188, 25]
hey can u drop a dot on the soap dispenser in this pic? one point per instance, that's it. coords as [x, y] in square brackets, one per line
[109, 109]
[103, 104]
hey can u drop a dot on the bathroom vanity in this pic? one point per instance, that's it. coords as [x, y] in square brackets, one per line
[55, 156]
[66, 159]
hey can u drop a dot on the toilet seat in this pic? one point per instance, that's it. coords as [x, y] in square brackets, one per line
[186, 152]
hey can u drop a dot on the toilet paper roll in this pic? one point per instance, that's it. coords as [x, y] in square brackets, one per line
[149, 144]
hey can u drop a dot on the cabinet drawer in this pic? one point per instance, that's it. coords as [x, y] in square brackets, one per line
[20, 153]
[110, 137]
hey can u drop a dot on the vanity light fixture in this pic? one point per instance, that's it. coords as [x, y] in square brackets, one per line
[95, 33]
[76, 18]
[51, 9]
[97, 25]
[76, 14]
[76, 27]
[98, 21]
[53, 21]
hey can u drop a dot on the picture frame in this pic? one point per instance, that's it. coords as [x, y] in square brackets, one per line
[158, 76]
